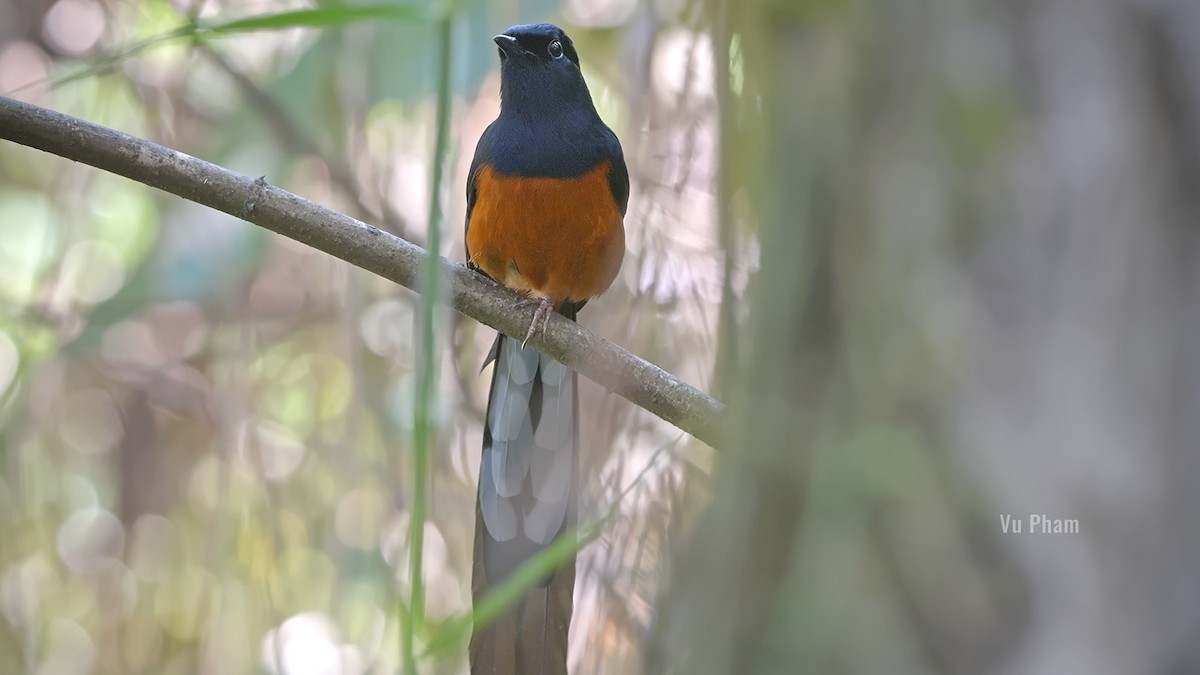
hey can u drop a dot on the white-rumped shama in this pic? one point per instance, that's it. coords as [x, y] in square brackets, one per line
[546, 200]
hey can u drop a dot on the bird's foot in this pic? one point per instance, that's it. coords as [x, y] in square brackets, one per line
[541, 317]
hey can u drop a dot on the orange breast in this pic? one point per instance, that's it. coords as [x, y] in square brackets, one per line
[562, 238]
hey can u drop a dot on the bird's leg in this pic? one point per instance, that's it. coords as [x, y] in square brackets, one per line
[541, 318]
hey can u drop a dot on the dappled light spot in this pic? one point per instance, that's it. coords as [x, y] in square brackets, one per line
[90, 540]
[217, 483]
[359, 517]
[443, 591]
[117, 589]
[29, 233]
[384, 329]
[22, 64]
[123, 217]
[74, 26]
[362, 621]
[184, 602]
[131, 344]
[270, 448]
[180, 329]
[26, 589]
[78, 492]
[302, 578]
[683, 63]
[309, 644]
[92, 272]
[205, 482]
[275, 291]
[89, 421]
[9, 362]
[69, 650]
[230, 643]
[599, 13]
[394, 545]
[333, 382]
[39, 483]
[303, 389]
[151, 549]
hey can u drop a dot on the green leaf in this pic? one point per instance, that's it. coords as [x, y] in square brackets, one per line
[453, 632]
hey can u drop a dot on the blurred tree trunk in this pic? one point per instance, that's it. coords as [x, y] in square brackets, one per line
[1082, 397]
[728, 578]
[977, 296]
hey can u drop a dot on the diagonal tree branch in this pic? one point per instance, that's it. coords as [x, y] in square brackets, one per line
[365, 246]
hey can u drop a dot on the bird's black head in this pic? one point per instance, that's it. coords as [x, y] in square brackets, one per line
[535, 44]
[538, 67]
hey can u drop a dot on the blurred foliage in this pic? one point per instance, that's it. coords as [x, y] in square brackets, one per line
[206, 450]
[941, 257]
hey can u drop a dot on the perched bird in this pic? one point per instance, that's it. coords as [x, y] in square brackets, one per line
[546, 200]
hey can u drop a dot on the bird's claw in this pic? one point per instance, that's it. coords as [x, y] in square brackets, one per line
[541, 319]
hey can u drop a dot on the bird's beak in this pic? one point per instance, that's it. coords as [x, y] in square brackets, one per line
[508, 45]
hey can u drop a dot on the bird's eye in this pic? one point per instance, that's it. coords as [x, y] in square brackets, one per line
[555, 50]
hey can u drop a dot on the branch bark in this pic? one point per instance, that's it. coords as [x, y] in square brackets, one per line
[365, 246]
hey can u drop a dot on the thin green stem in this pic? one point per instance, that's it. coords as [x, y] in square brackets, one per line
[427, 362]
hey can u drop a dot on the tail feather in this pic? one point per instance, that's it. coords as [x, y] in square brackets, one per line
[526, 499]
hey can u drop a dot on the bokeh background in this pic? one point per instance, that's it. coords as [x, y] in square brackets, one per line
[942, 259]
